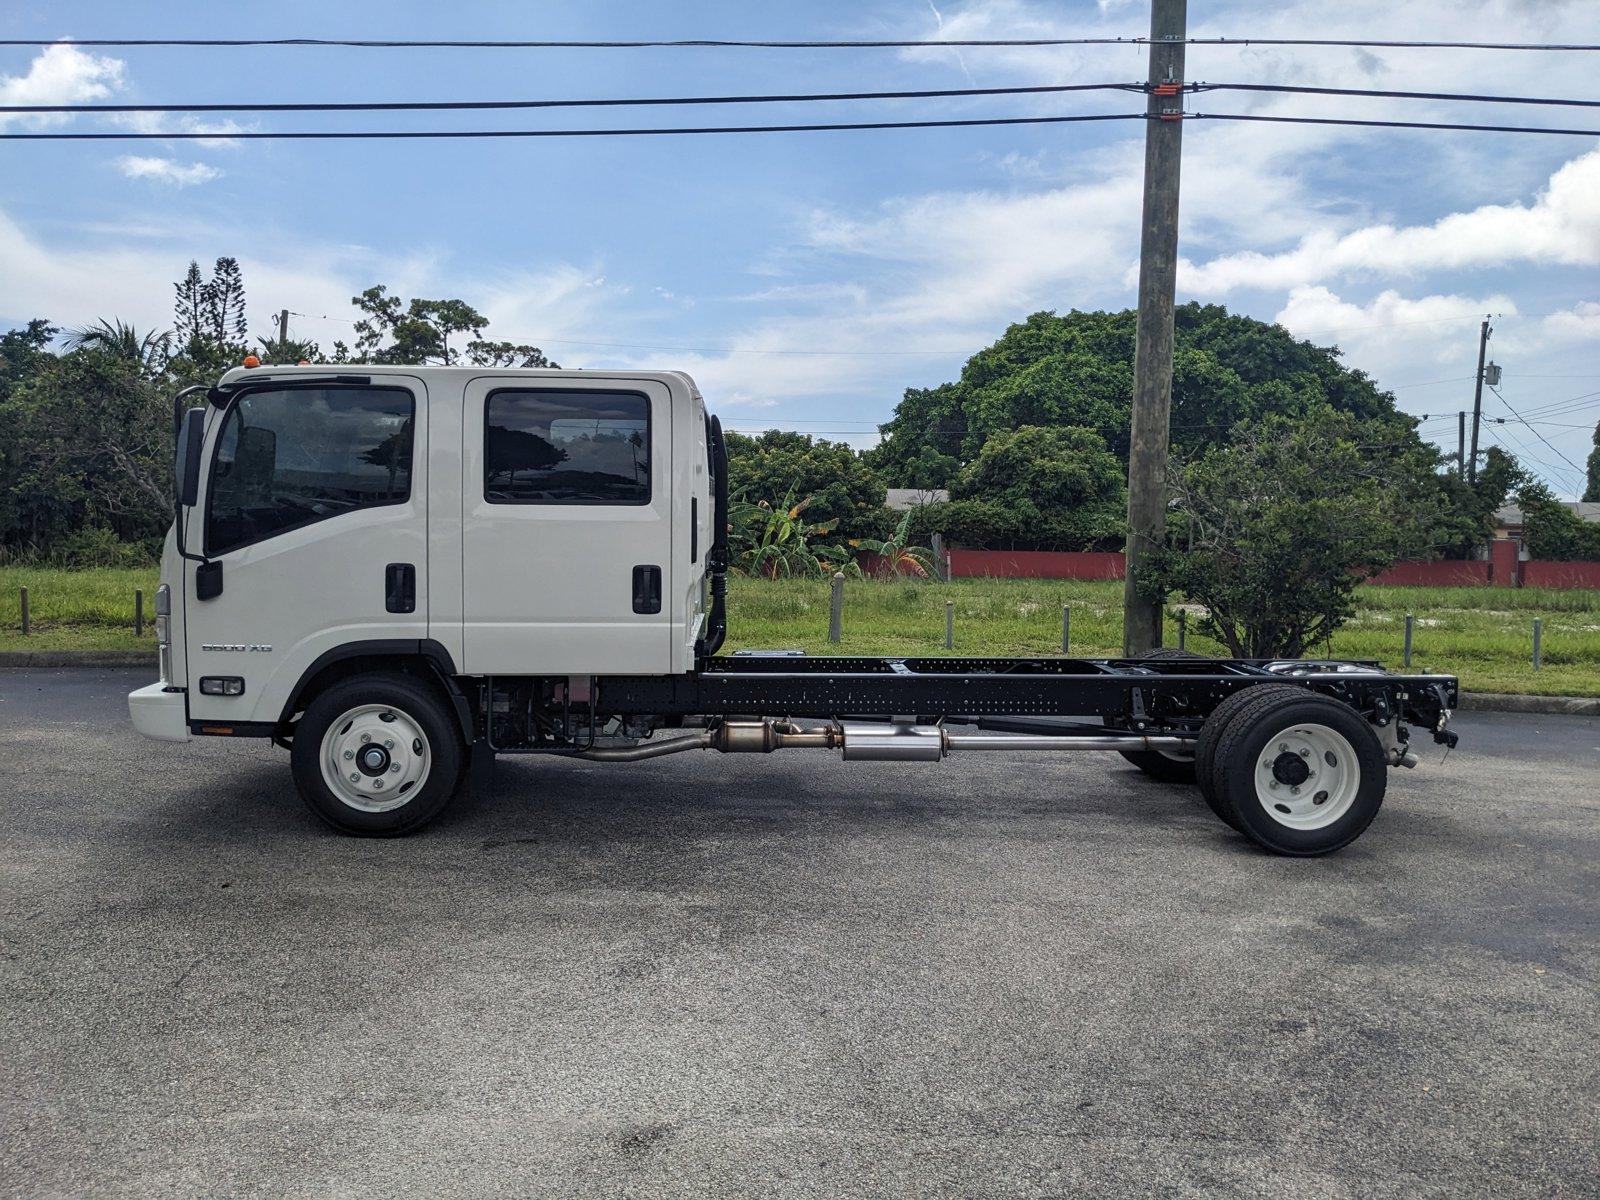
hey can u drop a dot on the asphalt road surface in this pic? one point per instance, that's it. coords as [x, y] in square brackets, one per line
[1006, 975]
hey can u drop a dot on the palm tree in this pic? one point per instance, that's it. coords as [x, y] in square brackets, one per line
[149, 351]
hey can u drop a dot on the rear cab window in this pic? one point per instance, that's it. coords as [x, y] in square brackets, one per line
[566, 447]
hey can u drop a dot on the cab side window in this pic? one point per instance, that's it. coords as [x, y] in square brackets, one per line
[566, 447]
[295, 456]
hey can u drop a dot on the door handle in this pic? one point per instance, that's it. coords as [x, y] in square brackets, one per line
[400, 588]
[647, 589]
[208, 580]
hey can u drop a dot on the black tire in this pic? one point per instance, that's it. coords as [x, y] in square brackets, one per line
[1241, 756]
[1205, 753]
[1153, 763]
[438, 744]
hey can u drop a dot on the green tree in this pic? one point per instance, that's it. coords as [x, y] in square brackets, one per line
[1077, 370]
[507, 354]
[1552, 531]
[1591, 491]
[89, 446]
[209, 331]
[842, 488]
[23, 352]
[1273, 532]
[1034, 488]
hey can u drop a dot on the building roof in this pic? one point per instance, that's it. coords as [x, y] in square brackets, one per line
[901, 499]
[1586, 510]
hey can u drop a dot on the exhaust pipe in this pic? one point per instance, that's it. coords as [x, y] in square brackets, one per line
[898, 742]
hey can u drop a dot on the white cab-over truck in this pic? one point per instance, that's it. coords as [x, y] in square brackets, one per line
[398, 573]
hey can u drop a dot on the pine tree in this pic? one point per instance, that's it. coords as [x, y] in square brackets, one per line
[188, 308]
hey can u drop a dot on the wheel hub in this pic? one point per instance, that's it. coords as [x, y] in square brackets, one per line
[1290, 768]
[375, 757]
[373, 760]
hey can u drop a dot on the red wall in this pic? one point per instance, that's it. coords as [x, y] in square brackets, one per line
[1503, 562]
[1061, 564]
[1441, 573]
[1037, 564]
[1561, 574]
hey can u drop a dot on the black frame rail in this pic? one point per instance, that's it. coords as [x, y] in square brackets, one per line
[1135, 694]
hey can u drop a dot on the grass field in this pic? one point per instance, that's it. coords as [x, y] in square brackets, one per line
[1484, 635]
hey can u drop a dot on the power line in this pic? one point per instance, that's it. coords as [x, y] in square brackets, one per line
[682, 130]
[473, 105]
[766, 98]
[1581, 471]
[772, 44]
[1199, 116]
[1296, 89]
[392, 134]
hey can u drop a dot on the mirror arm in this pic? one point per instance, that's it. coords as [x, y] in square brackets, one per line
[178, 409]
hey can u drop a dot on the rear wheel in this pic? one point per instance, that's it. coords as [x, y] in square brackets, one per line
[1211, 732]
[377, 755]
[1302, 774]
[1168, 766]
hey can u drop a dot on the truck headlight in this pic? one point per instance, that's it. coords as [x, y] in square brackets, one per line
[163, 631]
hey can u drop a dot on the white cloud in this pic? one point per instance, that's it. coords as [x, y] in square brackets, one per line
[1561, 226]
[60, 74]
[166, 170]
[1391, 333]
[180, 123]
[1577, 324]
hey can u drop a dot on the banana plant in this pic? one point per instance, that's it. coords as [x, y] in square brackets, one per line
[777, 542]
[895, 557]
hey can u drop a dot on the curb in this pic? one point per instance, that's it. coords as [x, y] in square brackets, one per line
[77, 658]
[1571, 706]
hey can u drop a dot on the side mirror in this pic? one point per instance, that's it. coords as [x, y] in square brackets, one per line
[191, 437]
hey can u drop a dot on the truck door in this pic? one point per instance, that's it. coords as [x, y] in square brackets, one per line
[314, 521]
[566, 526]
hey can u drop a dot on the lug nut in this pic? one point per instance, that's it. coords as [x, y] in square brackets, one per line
[1294, 791]
[355, 778]
[378, 783]
[1283, 745]
[366, 737]
[394, 768]
[1305, 754]
[388, 744]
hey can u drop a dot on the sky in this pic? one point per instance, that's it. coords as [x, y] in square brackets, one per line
[807, 279]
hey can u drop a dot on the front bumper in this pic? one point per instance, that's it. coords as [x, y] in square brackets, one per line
[158, 713]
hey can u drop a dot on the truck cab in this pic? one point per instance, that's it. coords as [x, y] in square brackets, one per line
[491, 522]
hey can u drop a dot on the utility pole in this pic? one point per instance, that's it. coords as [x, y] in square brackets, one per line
[283, 328]
[1461, 444]
[1152, 360]
[1477, 400]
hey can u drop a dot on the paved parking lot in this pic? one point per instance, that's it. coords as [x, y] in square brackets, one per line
[753, 976]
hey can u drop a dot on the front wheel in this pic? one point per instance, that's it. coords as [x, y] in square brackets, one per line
[377, 755]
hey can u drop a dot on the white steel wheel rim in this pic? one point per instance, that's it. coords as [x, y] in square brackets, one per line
[1328, 789]
[375, 758]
